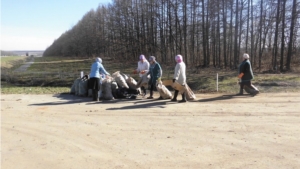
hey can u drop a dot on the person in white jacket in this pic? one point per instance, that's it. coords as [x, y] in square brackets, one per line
[142, 70]
[179, 77]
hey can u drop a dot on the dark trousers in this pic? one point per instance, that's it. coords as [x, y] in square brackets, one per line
[151, 89]
[246, 83]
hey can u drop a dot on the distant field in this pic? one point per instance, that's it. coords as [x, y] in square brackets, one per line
[37, 53]
[10, 61]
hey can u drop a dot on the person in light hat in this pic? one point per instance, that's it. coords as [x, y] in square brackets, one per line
[155, 73]
[142, 70]
[179, 77]
[246, 75]
[94, 81]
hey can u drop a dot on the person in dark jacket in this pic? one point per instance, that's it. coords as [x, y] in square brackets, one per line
[155, 73]
[246, 75]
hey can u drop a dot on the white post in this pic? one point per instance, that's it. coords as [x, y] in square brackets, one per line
[217, 82]
[81, 74]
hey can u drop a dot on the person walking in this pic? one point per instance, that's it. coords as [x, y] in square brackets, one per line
[246, 75]
[179, 77]
[94, 82]
[155, 73]
[142, 70]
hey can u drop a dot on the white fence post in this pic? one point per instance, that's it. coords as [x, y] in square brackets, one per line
[217, 82]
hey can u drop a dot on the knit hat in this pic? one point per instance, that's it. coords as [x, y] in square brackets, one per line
[151, 58]
[142, 57]
[246, 56]
[178, 58]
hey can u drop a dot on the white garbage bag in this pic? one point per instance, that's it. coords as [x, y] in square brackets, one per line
[163, 91]
[83, 88]
[120, 80]
[131, 83]
[106, 89]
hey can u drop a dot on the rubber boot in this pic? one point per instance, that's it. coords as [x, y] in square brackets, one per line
[175, 96]
[151, 95]
[94, 95]
[241, 91]
[183, 98]
[97, 95]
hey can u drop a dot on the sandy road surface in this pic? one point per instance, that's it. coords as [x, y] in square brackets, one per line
[216, 131]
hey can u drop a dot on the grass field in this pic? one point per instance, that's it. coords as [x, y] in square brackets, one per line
[12, 61]
[56, 75]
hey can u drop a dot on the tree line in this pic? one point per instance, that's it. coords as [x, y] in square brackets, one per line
[206, 32]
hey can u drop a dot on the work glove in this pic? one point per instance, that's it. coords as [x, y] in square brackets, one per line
[159, 79]
[143, 72]
[135, 72]
[241, 75]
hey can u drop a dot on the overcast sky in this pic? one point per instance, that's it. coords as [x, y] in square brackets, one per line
[35, 24]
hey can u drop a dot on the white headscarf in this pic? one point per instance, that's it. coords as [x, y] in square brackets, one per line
[99, 60]
[246, 56]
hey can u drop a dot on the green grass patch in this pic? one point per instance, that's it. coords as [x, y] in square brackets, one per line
[12, 61]
[13, 89]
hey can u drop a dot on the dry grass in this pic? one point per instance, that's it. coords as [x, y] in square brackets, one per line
[56, 74]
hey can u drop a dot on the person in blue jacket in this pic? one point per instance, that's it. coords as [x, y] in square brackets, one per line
[97, 70]
[155, 73]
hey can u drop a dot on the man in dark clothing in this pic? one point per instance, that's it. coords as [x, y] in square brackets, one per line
[246, 75]
[155, 73]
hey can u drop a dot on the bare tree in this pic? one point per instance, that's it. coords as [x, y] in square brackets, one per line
[290, 45]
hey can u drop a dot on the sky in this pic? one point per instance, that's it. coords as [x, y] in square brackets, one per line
[35, 24]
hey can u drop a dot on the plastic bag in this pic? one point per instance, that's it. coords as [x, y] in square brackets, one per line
[120, 80]
[106, 89]
[82, 87]
[76, 85]
[189, 93]
[163, 91]
[131, 83]
[72, 90]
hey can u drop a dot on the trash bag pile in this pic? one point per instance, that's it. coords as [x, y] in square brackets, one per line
[117, 86]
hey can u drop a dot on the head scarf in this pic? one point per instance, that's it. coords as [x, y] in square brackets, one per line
[152, 58]
[178, 58]
[246, 56]
[99, 60]
[142, 57]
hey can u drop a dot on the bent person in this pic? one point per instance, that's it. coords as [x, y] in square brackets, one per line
[142, 70]
[246, 75]
[94, 83]
[179, 77]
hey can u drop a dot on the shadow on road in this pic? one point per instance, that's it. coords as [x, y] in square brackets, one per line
[224, 97]
[66, 98]
[137, 103]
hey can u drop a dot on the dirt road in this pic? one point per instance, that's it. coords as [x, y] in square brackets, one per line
[216, 131]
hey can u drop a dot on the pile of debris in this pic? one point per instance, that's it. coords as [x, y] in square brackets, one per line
[118, 85]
